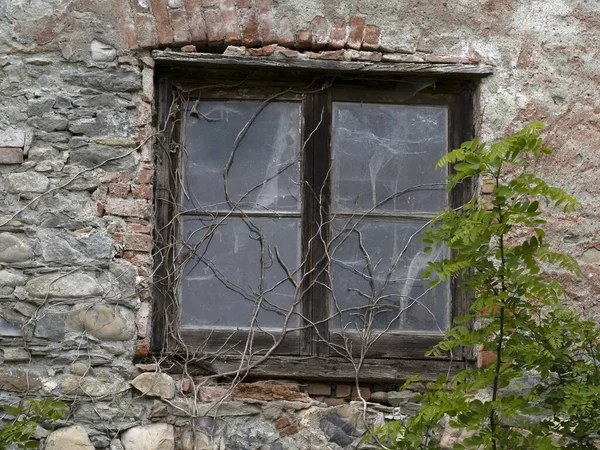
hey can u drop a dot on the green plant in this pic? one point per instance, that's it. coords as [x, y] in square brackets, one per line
[30, 414]
[517, 313]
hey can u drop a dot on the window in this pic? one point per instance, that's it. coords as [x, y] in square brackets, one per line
[288, 215]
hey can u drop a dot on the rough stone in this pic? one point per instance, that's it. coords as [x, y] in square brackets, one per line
[102, 52]
[50, 325]
[70, 285]
[17, 354]
[155, 385]
[12, 278]
[19, 380]
[108, 80]
[104, 322]
[380, 397]
[158, 436]
[9, 328]
[12, 138]
[13, 249]
[214, 393]
[27, 182]
[103, 385]
[270, 390]
[401, 397]
[106, 157]
[72, 438]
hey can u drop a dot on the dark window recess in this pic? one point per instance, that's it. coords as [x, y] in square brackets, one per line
[288, 223]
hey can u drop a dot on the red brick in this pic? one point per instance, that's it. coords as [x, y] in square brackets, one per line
[138, 242]
[333, 55]
[128, 208]
[266, 22]
[188, 49]
[139, 228]
[118, 190]
[138, 259]
[288, 53]
[214, 27]
[161, 16]
[282, 422]
[141, 191]
[288, 431]
[250, 35]
[359, 55]
[179, 25]
[244, 4]
[372, 36]
[355, 32]
[145, 295]
[210, 3]
[10, 155]
[286, 33]
[145, 29]
[196, 21]
[267, 50]
[145, 176]
[142, 346]
[231, 26]
[270, 390]
[214, 393]
[126, 25]
[99, 209]
[303, 39]
[319, 33]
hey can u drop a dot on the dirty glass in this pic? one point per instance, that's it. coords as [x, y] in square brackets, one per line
[264, 169]
[377, 269]
[222, 285]
[384, 157]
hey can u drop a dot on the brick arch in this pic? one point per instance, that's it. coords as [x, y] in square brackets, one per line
[215, 24]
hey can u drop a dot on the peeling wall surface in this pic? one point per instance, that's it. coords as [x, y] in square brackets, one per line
[76, 192]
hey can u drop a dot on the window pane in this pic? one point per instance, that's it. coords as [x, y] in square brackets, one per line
[385, 275]
[221, 284]
[264, 174]
[381, 150]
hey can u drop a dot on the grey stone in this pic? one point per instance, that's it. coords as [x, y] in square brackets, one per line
[27, 182]
[72, 438]
[155, 385]
[72, 285]
[78, 142]
[56, 249]
[12, 278]
[84, 182]
[102, 52]
[19, 380]
[39, 106]
[82, 113]
[104, 100]
[49, 122]
[17, 354]
[51, 325]
[55, 136]
[105, 384]
[13, 249]
[110, 80]
[62, 103]
[106, 123]
[401, 397]
[380, 397]
[252, 436]
[227, 409]
[8, 328]
[97, 246]
[80, 369]
[105, 323]
[157, 436]
[105, 157]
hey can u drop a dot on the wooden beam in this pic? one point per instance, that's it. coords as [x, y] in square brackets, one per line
[348, 67]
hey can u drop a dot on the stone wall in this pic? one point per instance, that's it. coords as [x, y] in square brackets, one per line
[76, 173]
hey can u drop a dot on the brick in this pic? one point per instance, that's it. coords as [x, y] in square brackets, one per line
[12, 139]
[139, 260]
[127, 207]
[270, 390]
[189, 49]
[210, 3]
[100, 209]
[263, 51]
[11, 155]
[138, 242]
[161, 17]
[286, 33]
[145, 175]
[231, 26]
[126, 24]
[355, 32]
[179, 25]
[244, 4]
[332, 55]
[139, 228]
[141, 191]
[266, 22]
[319, 33]
[214, 393]
[145, 295]
[142, 347]
[318, 389]
[250, 34]
[282, 422]
[365, 393]
[372, 36]
[288, 431]
[343, 390]
[288, 53]
[195, 21]
[303, 39]
[214, 27]
[145, 29]
[358, 55]
[338, 35]
[118, 190]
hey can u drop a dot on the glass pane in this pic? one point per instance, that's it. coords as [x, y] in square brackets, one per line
[380, 151]
[379, 264]
[221, 284]
[264, 173]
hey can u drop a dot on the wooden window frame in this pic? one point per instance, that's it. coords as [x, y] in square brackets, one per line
[395, 356]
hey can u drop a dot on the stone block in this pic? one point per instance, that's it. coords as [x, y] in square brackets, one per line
[398, 398]
[51, 325]
[105, 157]
[19, 183]
[365, 393]
[318, 389]
[343, 390]
[72, 438]
[11, 138]
[157, 436]
[214, 393]
[155, 385]
[13, 249]
[15, 354]
[109, 80]
[101, 51]
[11, 155]
[71, 285]
[19, 380]
[12, 278]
